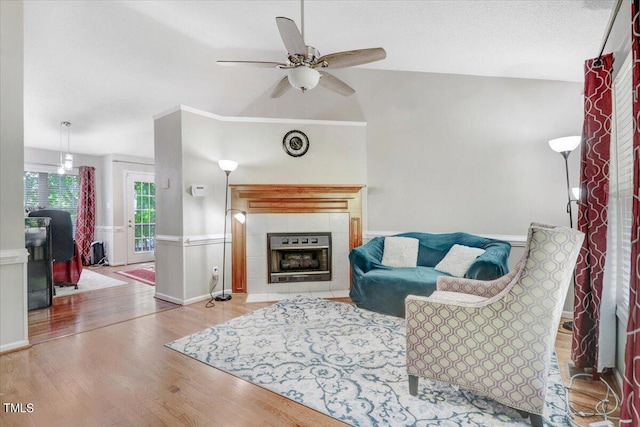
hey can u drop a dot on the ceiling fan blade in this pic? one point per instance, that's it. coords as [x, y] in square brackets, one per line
[282, 86]
[260, 64]
[291, 36]
[335, 84]
[351, 58]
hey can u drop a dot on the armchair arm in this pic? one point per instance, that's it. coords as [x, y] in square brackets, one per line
[482, 288]
[449, 298]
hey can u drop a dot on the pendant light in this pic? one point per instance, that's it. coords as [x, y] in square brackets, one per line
[61, 170]
[68, 158]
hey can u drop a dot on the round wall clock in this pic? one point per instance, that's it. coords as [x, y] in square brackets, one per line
[295, 143]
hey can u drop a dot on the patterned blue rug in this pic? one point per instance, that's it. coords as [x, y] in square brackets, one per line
[349, 364]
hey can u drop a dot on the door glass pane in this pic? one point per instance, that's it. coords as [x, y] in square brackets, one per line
[144, 216]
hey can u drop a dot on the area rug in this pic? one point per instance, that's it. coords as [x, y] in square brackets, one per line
[89, 281]
[144, 275]
[348, 363]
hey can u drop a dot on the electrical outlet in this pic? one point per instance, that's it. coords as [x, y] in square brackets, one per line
[214, 270]
[605, 423]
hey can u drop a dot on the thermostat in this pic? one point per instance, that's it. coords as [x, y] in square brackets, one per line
[198, 190]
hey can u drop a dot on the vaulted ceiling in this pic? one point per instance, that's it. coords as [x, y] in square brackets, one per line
[109, 66]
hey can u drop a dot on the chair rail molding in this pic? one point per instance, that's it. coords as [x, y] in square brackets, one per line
[514, 240]
[195, 240]
[14, 256]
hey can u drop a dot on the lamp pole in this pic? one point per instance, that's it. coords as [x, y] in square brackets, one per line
[227, 166]
[223, 296]
[565, 146]
[565, 154]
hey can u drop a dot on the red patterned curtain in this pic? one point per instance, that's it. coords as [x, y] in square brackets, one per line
[86, 217]
[592, 210]
[630, 412]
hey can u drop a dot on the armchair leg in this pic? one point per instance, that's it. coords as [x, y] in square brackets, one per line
[536, 420]
[413, 385]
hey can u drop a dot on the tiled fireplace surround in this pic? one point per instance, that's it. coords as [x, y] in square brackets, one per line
[293, 208]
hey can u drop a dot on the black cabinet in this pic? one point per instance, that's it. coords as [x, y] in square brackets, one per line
[37, 237]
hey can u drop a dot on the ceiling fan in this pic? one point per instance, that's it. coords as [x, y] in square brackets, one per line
[305, 66]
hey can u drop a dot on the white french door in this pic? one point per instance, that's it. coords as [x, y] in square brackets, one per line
[140, 217]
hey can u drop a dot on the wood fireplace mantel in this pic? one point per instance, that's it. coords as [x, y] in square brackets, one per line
[289, 198]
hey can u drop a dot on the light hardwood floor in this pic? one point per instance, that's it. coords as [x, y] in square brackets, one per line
[90, 310]
[121, 374]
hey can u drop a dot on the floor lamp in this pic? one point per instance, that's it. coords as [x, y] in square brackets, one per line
[227, 167]
[565, 146]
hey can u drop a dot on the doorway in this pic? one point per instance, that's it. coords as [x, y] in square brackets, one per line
[140, 217]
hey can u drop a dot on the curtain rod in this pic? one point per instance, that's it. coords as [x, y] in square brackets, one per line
[612, 20]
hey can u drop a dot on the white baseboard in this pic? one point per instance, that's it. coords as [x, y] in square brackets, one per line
[185, 301]
[117, 264]
[200, 298]
[168, 298]
[567, 314]
[14, 346]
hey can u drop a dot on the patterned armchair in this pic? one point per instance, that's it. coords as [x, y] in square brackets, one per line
[496, 338]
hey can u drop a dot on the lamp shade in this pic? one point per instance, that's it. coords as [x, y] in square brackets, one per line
[303, 77]
[576, 192]
[241, 217]
[567, 143]
[227, 165]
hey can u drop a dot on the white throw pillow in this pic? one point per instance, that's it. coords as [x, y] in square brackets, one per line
[400, 252]
[458, 260]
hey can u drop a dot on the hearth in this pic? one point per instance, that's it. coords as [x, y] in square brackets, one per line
[298, 257]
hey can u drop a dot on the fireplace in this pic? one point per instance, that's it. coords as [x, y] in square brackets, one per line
[298, 257]
[336, 208]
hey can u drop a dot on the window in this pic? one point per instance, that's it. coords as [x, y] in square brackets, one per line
[621, 188]
[145, 216]
[44, 190]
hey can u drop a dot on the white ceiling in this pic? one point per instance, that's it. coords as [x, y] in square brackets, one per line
[109, 66]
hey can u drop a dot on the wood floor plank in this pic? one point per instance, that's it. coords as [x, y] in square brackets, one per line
[121, 373]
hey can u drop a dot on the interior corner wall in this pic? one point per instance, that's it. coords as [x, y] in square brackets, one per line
[188, 147]
[14, 331]
[170, 280]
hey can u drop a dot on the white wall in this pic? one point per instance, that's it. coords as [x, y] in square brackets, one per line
[13, 255]
[188, 145]
[465, 153]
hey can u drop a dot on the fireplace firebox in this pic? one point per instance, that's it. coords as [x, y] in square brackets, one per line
[298, 257]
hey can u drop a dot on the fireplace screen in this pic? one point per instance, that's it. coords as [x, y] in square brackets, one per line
[299, 257]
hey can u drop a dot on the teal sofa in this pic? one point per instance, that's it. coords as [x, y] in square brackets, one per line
[383, 289]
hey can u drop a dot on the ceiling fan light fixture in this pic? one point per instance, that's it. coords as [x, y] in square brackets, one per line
[303, 77]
